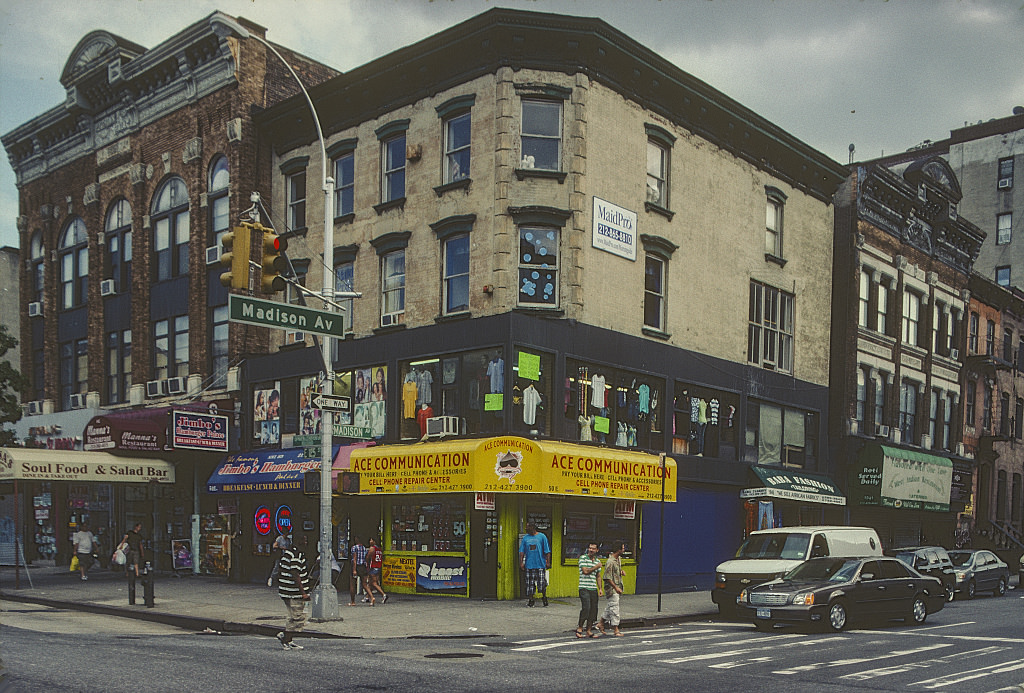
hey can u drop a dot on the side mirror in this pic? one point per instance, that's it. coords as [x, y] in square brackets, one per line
[867, 576]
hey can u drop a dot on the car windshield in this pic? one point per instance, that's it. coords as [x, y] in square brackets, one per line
[960, 557]
[791, 545]
[821, 569]
[907, 557]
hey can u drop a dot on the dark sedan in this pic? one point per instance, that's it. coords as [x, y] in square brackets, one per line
[834, 591]
[979, 571]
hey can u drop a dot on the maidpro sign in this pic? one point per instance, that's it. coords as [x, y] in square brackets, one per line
[614, 229]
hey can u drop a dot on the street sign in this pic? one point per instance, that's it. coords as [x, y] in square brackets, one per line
[340, 431]
[284, 316]
[331, 403]
[312, 454]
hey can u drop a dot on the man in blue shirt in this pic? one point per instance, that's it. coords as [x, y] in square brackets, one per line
[535, 558]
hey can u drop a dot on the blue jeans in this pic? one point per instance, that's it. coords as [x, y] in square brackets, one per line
[588, 608]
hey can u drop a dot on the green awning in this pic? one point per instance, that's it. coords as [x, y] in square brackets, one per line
[789, 484]
[899, 478]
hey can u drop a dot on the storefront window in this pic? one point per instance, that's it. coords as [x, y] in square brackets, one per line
[468, 386]
[704, 422]
[596, 522]
[613, 407]
[436, 526]
[369, 403]
[532, 386]
[780, 435]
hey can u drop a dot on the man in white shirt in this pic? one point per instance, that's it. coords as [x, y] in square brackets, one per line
[85, 543]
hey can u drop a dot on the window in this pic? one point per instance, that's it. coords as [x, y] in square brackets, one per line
[947, 422]
[1004, 228]
[392, 282]
[1004, 414]
[541, 135]
[74, 264]
[879, 401]
[933, 417]
[770, 343]
[1018, 419]
[911, 316]
[654, 292]
[908, 410]
[1008, 345]
[344, 273]
[457, 131]
[986, 403]
[779, 435]
[940, 329]
[344, 184]
[657, 173]
[455, 281]
[538, 266]
[882, 311]
[863, 298]
[773, 222]
[1005, 173]
[1001, 495]
[217, 199]
[119, 245]
[294, 296]
[393, 168]
[1015, 498]
[170, 221]
[36, 258]
[972, 333]
[1003, 275]
[990, 339]
[295, 191]
[862, 399]
[74, 370]
[219, 346]
[170, 348]
[969, 403]
[119, 366]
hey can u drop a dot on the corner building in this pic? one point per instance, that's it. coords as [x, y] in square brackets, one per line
[567, 249]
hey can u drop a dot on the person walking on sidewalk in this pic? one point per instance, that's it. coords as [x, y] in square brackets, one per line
[357, 580]
[280, 544]
[135, 552]
[613, 588]
[293, 588]
[590, 590]
[375, 568]
[85, 545]
[535, 558]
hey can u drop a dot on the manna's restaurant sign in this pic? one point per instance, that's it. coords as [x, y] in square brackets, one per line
[513, 465]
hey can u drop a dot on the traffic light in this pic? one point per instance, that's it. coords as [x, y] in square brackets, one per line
[273, 263]
[235, 253]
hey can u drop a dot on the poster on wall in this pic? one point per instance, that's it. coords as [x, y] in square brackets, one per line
[614, 229]
[370, 400]
[181, 554]
[215, 544]
[309, 416]
[441, 574]
[266, 416]
[342, 387]
[399, 571]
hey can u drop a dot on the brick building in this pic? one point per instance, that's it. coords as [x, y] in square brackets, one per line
[125, 190]
[561, 239]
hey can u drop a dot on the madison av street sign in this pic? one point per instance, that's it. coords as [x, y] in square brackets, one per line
[284, 316]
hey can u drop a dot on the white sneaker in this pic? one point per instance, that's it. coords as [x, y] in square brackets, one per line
[85, 577]
[294, 645]
[270, 582]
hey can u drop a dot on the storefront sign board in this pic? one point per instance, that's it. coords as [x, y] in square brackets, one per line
[399, 571]
[905, 479]
[196, 431]
[483, 501]
[445, 574]
[47, 465]
[529, 366]
[614, 229]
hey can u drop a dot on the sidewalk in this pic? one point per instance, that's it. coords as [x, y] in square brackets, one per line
[200, 602]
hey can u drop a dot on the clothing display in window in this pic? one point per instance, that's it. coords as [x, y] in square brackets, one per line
[496, 374]
[644, 398]
[410, 393]
[424, 383]
[531, 400]
[425, 412]
[598, 392]
[713, 406]
[621, 435]
[586, 434]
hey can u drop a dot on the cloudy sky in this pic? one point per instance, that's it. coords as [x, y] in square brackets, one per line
[883, 76]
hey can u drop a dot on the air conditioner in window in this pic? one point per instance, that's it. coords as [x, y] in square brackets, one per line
[961, 450]
[926, 441]
[389, 319]
[77, 401]
[954, 354]
[107, 287]
[156, 388]
[1005, 183]
[176, 386]
[881, 430]
[852, 427]
[213, 254]
[33, 408]
[35, 309]
[442, 426]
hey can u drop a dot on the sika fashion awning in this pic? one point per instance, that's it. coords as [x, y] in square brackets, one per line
[510, 464]
[63, 465]
[899, 478]
[262, 471]
[787, 484]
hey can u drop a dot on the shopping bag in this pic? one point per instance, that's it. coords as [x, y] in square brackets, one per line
[119, 558]
[74, 563]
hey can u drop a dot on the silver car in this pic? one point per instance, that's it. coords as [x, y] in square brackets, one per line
[978, 570]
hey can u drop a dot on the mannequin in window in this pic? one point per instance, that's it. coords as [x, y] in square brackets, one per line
[586, 435]
[422, 415]
[702, 424]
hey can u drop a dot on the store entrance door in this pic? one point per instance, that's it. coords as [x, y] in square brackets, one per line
[483, 554]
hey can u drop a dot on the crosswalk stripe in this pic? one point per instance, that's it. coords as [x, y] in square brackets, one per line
[970, 675]
[803, 668]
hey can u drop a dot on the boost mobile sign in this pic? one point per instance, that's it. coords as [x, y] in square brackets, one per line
[614, 229]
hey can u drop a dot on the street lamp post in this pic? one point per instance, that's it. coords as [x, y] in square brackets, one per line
[325, 598]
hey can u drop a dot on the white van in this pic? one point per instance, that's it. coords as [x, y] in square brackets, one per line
[769, 553]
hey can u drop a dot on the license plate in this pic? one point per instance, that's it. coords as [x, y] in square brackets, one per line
[764, 613]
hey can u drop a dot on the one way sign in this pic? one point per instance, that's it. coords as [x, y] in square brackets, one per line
[342, 404]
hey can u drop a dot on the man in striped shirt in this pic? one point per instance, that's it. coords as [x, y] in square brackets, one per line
[293, 588]
[590, 590]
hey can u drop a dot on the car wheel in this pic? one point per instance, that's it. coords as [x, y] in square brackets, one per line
[1000, 589]
[837, 615]
[764, 626]
[972, 589]
[918, 611]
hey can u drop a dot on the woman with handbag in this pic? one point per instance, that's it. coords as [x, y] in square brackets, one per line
[85, 543]
[131, 546]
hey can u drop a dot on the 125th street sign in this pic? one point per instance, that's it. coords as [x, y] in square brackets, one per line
[284, 316]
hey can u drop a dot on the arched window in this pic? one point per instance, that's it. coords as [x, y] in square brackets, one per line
[119, 244]
[170, 220]
[217, 198]
[73, 254]
[36, 256]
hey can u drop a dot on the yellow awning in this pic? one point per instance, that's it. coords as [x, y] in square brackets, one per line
[34, 464]
[509, 464]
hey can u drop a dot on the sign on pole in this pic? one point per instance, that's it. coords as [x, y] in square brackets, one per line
[321, 401]
[284, 316]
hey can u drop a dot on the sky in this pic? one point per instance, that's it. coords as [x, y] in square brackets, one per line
[882, 76]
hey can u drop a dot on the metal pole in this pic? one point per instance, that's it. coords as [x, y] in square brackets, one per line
[661, 530]
[17, 537]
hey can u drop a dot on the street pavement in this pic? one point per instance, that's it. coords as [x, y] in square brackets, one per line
[201, 603]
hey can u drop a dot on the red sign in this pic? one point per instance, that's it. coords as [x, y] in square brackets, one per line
[263, 521]
[283, 520]
[625, 510]
[484, 501]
